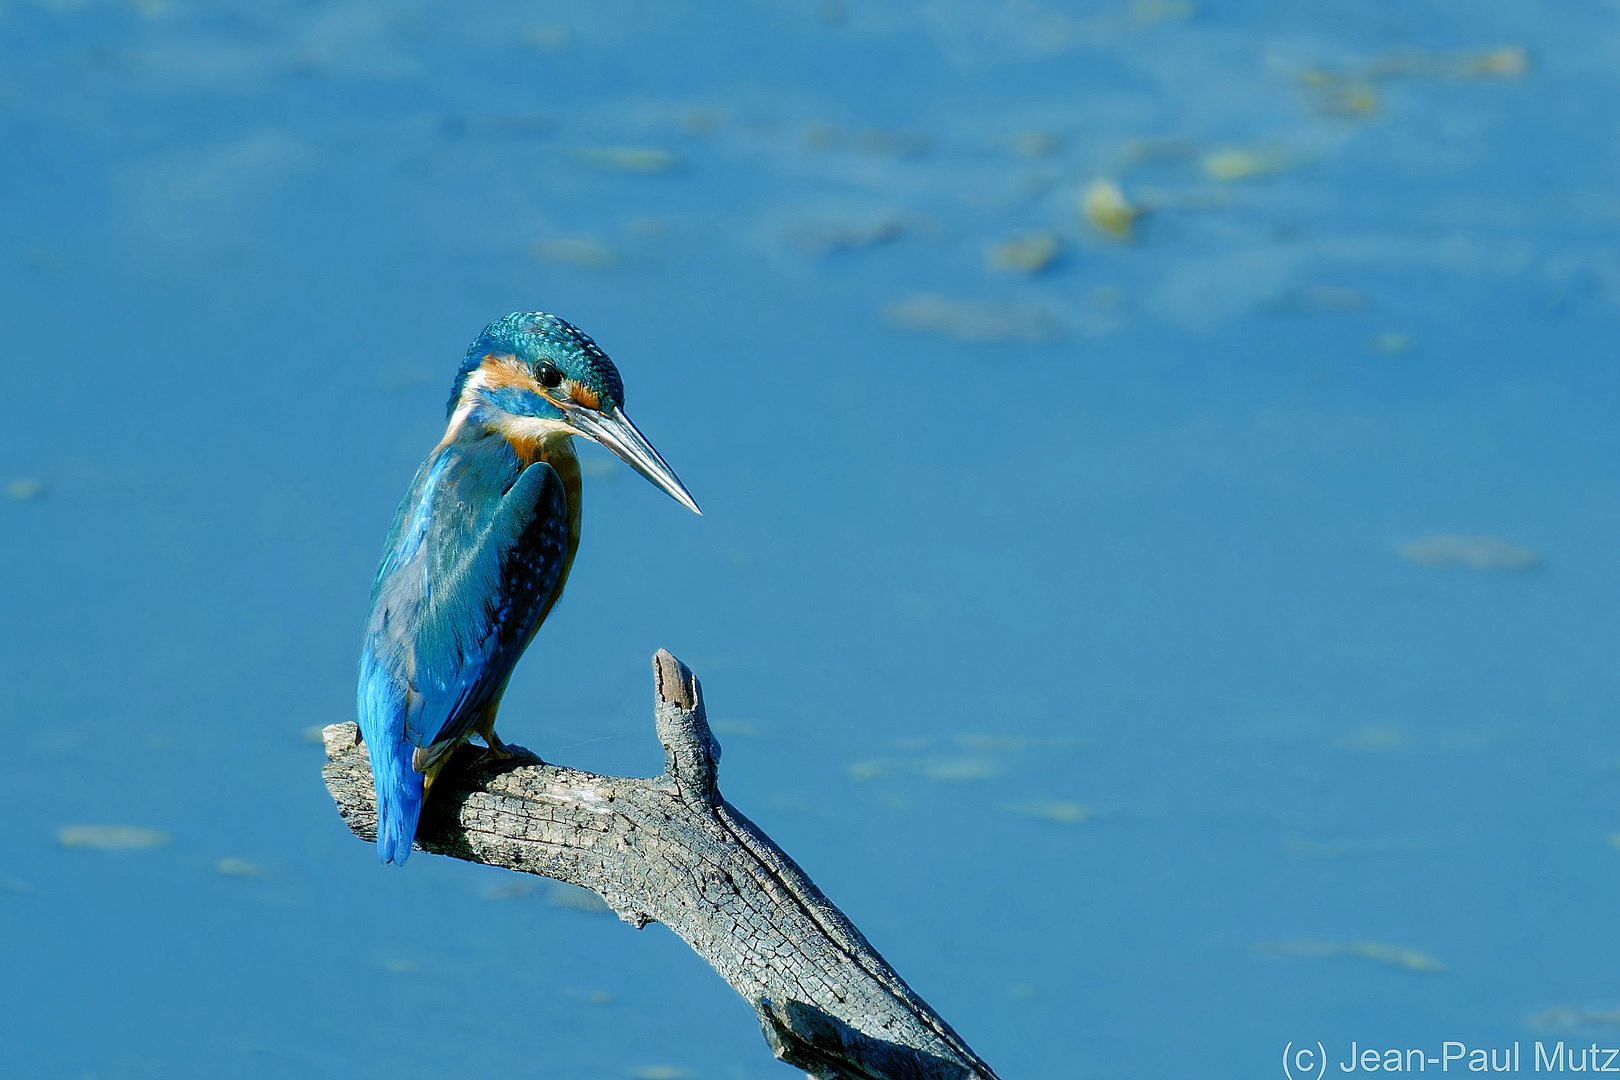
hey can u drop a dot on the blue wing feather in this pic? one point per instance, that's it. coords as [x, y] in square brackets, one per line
[475, 553]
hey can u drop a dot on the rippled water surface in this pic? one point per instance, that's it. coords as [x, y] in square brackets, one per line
[1159, 466]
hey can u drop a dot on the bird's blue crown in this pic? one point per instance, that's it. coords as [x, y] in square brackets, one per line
[534, 336]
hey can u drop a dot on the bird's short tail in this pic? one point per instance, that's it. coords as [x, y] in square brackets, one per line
[398, 786]
[399, 804]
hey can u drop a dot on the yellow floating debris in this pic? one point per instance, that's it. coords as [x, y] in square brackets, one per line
[25, 489]
[1507, 62]
[574, 251]
[1472, 552]
[1233, 164]
[110, 837]
[1027, 253]
[238, 868]
[1394, 955]
[1348, 99]
[1105, 207]
[636, 159]
[1064, 813]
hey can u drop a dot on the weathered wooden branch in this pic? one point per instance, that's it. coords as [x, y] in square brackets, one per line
[671, 850]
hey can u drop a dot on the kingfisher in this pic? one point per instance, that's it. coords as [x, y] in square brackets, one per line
[480, 550]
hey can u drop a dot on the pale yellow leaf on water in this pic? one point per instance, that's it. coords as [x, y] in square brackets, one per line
[1472, 552]
[1064, 813]
[238, 868]
[1026, 253]
[1235, 164]
[110, 837]
[579, 251]
[635, 159]
[1105, 207]
[24, 489]
[1396, 956]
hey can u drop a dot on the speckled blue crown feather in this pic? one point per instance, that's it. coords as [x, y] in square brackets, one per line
[532, 336]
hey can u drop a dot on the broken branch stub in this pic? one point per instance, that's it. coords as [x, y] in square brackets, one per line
[672, 850]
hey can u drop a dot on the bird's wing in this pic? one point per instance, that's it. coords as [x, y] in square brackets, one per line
[477, 555]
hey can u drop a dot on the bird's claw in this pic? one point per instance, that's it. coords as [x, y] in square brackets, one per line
[497, 750]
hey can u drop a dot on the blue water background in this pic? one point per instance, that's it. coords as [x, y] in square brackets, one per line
[1063, 634]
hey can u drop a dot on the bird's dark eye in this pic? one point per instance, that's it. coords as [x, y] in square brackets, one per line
[549, 377]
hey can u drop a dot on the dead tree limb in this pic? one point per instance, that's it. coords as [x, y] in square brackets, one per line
[671, 850]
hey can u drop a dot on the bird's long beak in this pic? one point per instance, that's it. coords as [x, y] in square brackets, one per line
[613, 429]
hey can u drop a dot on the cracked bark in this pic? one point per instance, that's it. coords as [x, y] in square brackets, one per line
[670, 849]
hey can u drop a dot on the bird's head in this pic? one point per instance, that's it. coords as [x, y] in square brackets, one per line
[538, 377]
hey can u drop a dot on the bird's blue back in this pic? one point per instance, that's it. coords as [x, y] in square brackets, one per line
[477, 550]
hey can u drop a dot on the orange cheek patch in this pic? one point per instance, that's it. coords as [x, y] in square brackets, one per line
[583, 394]
[506, 371]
